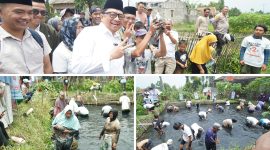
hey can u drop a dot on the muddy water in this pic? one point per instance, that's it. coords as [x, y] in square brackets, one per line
[92, 126]
[240, 136]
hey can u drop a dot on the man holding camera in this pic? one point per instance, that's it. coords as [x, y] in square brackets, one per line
[168, 63]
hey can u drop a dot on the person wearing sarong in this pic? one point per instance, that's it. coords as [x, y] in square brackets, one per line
[110, 132]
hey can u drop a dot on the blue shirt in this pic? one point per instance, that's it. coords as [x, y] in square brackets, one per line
[210, 136]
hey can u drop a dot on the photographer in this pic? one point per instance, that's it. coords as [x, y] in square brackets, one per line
[138, 58]
[167, 63]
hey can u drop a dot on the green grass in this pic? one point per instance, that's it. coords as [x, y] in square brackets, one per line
[188, 27]
[35, 129]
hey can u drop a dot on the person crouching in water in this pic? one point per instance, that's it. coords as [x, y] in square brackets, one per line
[251, 107]
[265, 123]
[157, 124]
[228, 123]
[203, 115]
[187, 135]
[66, 126]
[220, 108]
[188, 104]
[110, 132]
[172, 108]
[196, 130]
[164, 146]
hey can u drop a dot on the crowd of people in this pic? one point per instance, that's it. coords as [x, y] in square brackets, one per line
[195, 131]
[115, 40]
[66, 124]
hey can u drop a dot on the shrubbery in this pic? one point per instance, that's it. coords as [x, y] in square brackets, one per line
[245, 22]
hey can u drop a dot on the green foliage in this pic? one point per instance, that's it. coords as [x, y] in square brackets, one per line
[83, 4]
[225, 88]
[257, 86]
[115, 86]
[231, 65]
[47, 87]
[245, 22]
[234, 12]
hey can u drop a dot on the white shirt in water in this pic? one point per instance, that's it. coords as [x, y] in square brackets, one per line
[227, 123]
[125, 102]
[186, 133]
[253, 121]
[147, 106]
[106, 109]
[162, 146]
[188, 103]
[202, 114]
[196, 128]
[227, 103]
[74, 105]
[165, 124]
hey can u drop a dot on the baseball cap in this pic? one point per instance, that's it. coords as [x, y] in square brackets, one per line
[95, 9]
[217, 126]
[140, 32]
[62, 93]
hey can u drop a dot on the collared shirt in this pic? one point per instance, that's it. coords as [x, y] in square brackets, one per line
[170, 46]
[91, 52]
[221, 23]
[38, 28]
[22, 56]
[202, 25]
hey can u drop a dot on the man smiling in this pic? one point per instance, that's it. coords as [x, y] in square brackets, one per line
[98, 49]
[20, 50]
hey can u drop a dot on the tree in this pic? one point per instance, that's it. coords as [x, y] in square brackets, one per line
[234, 12]
[82, 4]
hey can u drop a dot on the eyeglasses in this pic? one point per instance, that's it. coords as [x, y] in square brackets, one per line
[114, 15]
[41, 12]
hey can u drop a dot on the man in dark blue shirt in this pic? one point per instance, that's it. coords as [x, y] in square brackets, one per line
[211, 137]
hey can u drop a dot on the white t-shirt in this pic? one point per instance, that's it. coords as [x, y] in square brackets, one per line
[125, 102]
[227, 123]
[62, 59]
[165, 124]
[106, 109]
[147, 106]
[196, 128]
[162, 146]
[170, 47]
[253, 121]
[202, 114]
[254, 54]
[186, 133]
[188, 104]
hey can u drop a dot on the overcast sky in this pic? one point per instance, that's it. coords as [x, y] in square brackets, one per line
[243, 5]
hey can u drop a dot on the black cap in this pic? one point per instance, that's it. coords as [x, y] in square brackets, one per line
[130, 10]
[95, 9]
[115, 4]
[23, 2]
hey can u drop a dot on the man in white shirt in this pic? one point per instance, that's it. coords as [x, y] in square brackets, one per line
[164, 146]
[125, 104]
[187, 135]
[252, 121]
[97, 49]
[20, 52]
[168, 63]
[105, 111]
[203, 115]
[255, 51]
[227, 123]
[188, 104]
[197, 130]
